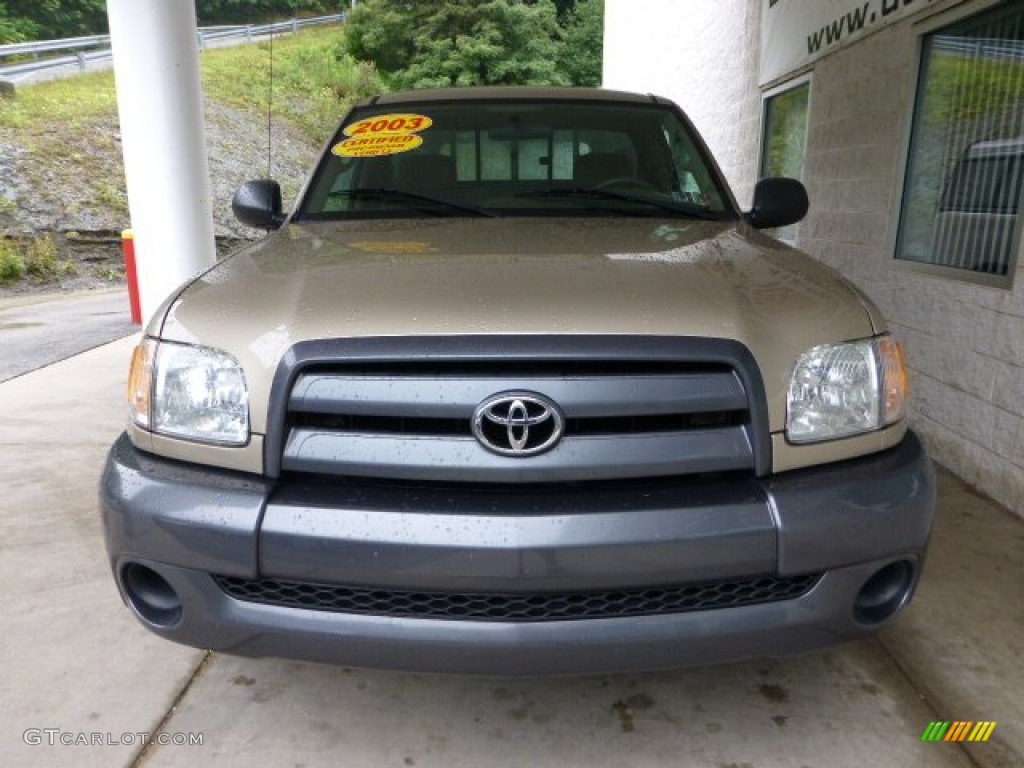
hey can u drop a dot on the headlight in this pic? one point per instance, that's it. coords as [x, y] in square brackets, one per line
[838, 390]
[197, 393]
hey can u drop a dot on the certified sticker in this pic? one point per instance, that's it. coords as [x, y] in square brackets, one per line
[392, 246]
[382, 135]
[377, 146]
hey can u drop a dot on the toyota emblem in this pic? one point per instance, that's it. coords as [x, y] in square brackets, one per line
[518, 424]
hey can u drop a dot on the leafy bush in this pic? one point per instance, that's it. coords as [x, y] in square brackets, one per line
[41, 259]
[247, 11]
[479, 42]
[12, 267]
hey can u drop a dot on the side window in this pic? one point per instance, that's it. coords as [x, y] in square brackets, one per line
[784, 140]
[961, 206]
[481, 157]
[534, 159]
[495, 158]
[612, 142]
[563, 155]
[465, 156]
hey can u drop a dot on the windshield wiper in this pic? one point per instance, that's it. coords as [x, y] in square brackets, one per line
[687, 209]
[384, 193]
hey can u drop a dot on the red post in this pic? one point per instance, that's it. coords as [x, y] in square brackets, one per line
[128, 244]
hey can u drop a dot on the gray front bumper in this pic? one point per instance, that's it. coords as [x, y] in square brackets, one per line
[845, 521]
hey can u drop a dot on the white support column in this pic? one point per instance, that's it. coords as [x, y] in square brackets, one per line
[160, 102]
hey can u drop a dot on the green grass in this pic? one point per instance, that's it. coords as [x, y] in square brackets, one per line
[314, 82]
[954, 81]
[110, 196]
[60, 105]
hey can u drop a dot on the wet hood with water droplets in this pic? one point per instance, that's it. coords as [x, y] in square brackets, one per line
[427, 277]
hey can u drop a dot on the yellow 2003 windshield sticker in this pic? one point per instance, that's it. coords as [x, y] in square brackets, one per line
[389, 124]
[382, 135]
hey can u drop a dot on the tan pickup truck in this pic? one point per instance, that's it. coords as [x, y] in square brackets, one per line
[517, 388]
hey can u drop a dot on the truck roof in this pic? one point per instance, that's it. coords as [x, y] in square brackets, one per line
[499, 93]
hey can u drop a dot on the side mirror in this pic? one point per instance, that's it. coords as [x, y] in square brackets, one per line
[258, 204]
[778, 202]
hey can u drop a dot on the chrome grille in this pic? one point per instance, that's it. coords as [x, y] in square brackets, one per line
[412, 426]
[402, 409]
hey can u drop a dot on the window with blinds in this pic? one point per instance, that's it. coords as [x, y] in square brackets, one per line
[962, 199]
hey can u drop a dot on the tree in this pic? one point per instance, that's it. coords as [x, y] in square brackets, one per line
[244, 11]
[382, 31]
[14, 30]
[582, 52]
[48, 19]
[499, 42]
[459, 42]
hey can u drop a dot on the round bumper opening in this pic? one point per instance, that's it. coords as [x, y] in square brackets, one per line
[152, 597]
[884, 593]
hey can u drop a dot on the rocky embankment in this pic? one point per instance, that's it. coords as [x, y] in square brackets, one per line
[72, 188]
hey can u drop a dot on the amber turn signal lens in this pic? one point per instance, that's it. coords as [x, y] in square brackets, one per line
[140, 382]
[895, 382]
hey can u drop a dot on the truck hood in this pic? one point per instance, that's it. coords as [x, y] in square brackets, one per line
[516, 276]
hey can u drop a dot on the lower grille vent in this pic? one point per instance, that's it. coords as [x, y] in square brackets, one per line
[539, 606]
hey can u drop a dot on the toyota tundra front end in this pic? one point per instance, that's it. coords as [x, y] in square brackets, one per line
[517, 389]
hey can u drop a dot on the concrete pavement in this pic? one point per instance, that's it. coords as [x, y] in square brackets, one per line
[71, 658]
[37, 330]
[75, 660]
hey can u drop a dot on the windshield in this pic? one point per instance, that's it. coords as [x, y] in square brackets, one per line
[515, 158]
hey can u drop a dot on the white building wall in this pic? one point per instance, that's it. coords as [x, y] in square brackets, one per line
[965, 342]
[702, 54]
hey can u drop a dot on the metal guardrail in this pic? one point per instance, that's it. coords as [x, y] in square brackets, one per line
[82, 57]
[45, 46]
